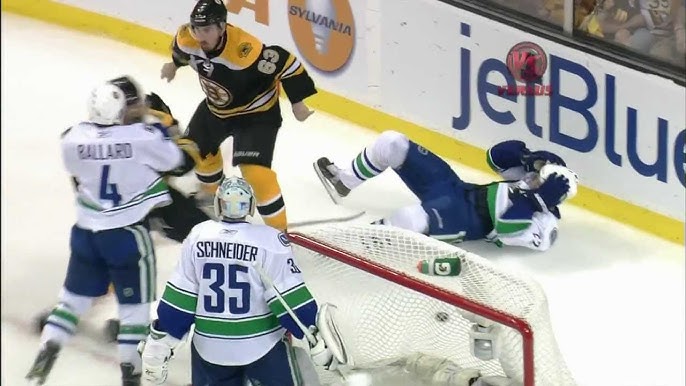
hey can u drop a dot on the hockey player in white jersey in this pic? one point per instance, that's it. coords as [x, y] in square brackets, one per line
[116, 162]
[241, 323]
[173, 221]
[522, 211]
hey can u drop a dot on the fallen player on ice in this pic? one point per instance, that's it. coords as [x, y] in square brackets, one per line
[522, 210]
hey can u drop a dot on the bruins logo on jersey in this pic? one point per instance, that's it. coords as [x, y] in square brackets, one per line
[216, 94]
[244, 50]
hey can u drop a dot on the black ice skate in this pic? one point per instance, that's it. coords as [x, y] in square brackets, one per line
[41, 320]
[111, 330]
[43, 364]
[328, 175]
[128, 378]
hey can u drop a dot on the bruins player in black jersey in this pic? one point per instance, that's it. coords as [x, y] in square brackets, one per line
[241, 78]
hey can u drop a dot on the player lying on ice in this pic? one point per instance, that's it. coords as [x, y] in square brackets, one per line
[520, 211]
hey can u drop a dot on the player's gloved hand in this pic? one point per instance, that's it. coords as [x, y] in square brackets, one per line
[321, 355]
[553, 189]
[507, 154]
[534, 161]
[156, 351]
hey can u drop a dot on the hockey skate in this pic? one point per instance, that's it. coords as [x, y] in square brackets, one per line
[328, 175]
[128, 378]
[43, 363]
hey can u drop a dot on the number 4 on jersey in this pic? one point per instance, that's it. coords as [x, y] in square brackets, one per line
[108, 191]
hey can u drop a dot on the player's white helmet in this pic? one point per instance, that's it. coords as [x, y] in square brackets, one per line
[234, 199]
[109, 102]
[573, 178]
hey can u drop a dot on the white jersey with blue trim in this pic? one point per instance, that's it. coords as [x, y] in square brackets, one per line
[116, 170]
[236, 315]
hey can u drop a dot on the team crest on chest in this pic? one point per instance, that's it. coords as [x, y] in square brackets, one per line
[216, 94]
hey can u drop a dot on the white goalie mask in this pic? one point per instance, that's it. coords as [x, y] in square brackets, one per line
[549, 169]
[234, 199]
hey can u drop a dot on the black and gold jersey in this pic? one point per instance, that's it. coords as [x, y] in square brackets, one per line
[242, 76]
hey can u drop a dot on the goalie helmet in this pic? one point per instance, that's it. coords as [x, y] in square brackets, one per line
[234, 199]
[109, 102]
[573, 178]
[208, 12]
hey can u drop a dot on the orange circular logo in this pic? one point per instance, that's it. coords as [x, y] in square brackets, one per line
[323, 30]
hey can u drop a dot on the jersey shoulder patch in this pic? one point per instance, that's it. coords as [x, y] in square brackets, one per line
[242, 49]
[283, 239]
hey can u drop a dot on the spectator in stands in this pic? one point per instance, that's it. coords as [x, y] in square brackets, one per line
[651, 27]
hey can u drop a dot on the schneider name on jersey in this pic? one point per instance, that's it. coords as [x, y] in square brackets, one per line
[216, 287]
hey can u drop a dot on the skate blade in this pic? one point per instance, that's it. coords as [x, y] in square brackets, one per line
[330, 190]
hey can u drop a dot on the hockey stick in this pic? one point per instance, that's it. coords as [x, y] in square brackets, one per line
[268, 281]
[331, 220]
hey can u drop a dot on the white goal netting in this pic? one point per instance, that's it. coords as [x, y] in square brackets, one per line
[388, 310]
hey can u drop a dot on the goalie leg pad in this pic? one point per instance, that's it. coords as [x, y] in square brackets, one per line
[270, 203]
[328, 331]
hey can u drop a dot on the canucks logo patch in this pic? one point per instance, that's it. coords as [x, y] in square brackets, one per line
[283, 239]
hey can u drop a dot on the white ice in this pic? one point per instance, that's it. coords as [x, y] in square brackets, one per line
[616, 295]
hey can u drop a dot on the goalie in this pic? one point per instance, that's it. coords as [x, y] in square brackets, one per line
[239, 284]
[522, 211]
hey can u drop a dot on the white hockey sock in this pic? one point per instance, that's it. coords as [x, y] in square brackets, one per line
[134, 320]
[62, 322]
[388, 150]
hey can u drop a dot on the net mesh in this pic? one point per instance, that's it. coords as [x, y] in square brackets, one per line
[383, 321]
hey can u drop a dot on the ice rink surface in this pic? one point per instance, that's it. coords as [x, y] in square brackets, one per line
[616, 295]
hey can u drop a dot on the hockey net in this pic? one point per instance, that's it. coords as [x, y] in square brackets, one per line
[388, 310]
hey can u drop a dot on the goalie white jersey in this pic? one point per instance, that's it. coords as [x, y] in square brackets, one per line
[238, 319]
[116, 170]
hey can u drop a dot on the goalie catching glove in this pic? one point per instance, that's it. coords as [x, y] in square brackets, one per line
[156, 351]
[327, 349]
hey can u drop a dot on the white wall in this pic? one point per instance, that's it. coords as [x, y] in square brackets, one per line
[411, 58]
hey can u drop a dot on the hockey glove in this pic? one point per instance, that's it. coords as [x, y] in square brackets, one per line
[156, 351]
[321, 355]
[553, 190]
[534, 161]
[506, 155]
